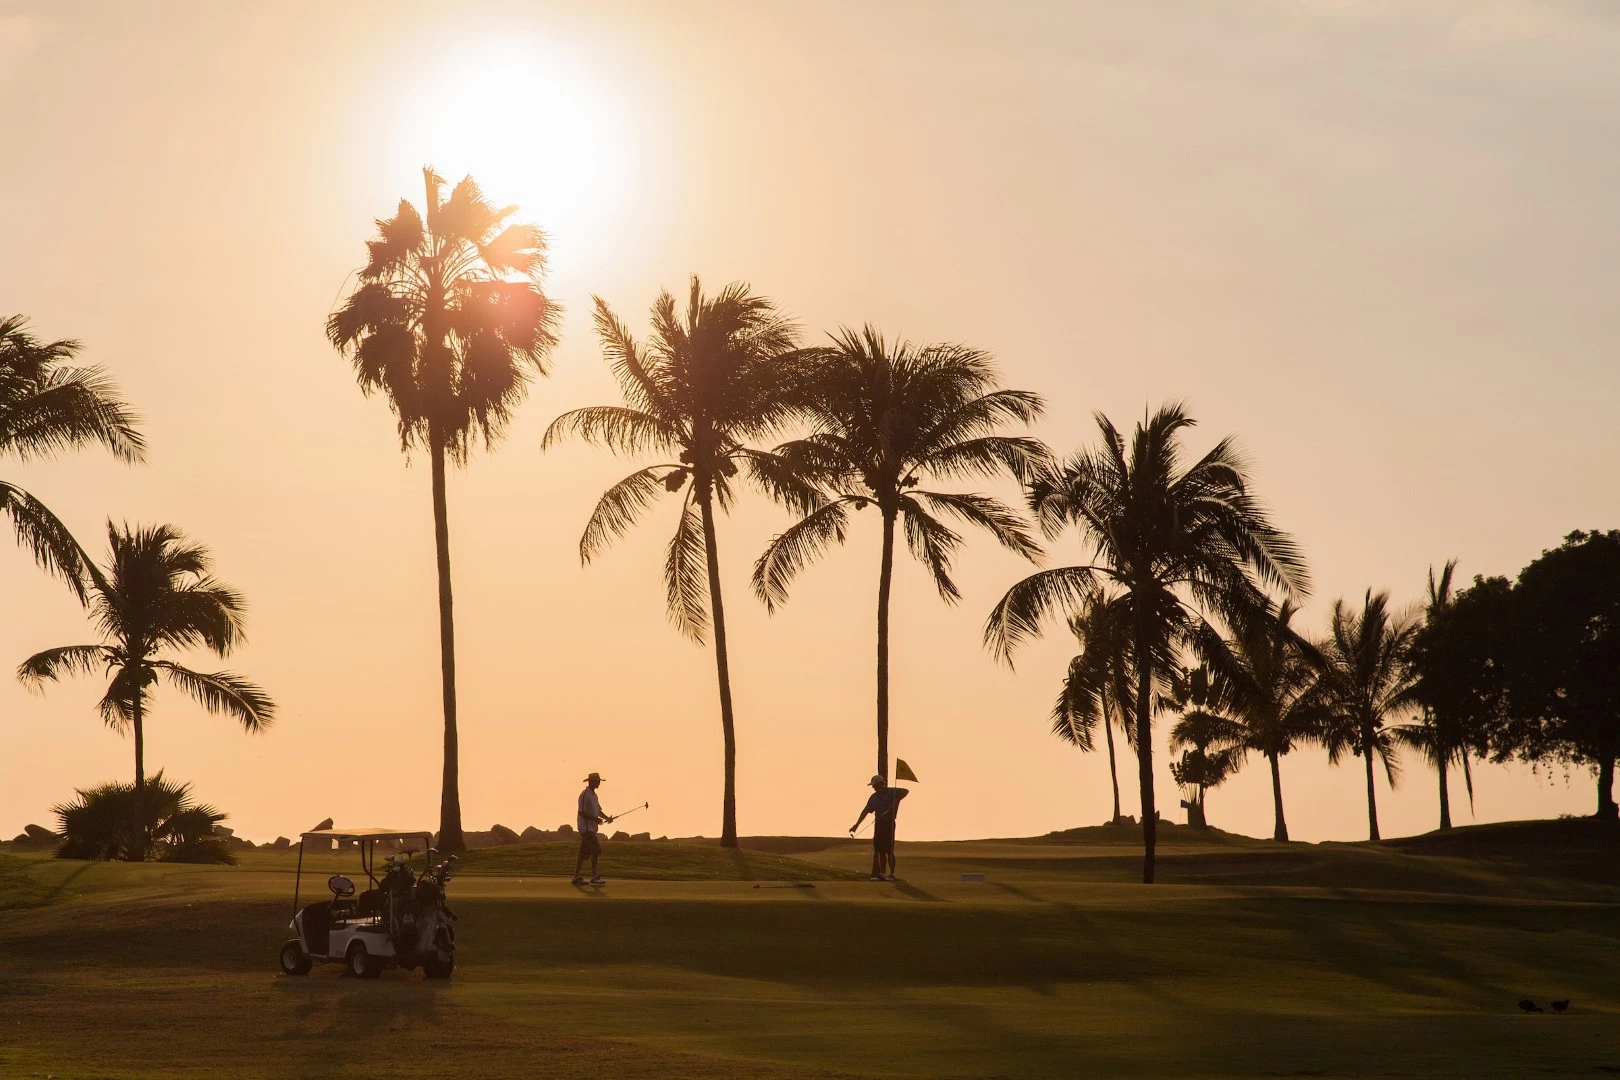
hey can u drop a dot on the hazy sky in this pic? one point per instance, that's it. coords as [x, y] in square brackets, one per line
[1377, 241]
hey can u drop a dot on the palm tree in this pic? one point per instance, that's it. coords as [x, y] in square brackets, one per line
[700, 390]
[1097, 688]
[155, 595]
[449, 323]
[1212, 744]
[1274, 696]
[1180, 543]
[46, 407]
[887, 417]
[1442, 738]
[1368, 682]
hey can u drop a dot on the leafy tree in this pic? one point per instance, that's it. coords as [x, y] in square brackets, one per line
[96, 825]
[886, 418]
[1180, 542]
[703, 387]
[155, 595]
[1562, 659]
[1449, 730]
[1368, 683]
[1272, 696]
[1212, 744]
[449, 323]
[47, 406]
[1097, 690]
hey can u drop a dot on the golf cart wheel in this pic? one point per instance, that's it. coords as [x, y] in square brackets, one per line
[360, 964]
[294, 960]
[436, 967]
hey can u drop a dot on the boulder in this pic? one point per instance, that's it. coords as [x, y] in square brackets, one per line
[641, 836]
[282, 843]
[532, 835]
[38, 834]
[326, 824]
[620, 835]
[566, 830]
[503, 835]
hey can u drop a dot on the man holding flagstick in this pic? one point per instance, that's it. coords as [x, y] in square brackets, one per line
[884, 806]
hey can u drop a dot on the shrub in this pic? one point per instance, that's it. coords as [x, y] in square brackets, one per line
[99, 824]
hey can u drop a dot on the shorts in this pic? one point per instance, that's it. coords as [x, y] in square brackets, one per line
[883, 837]
[590, 843]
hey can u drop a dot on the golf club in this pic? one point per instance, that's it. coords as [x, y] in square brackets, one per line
[633, 809]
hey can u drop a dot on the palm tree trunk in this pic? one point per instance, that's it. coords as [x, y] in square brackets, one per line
[1144, 754]
[450, 837]
[885, 576]
[1280, 831]
[139, 854]
[1445, 796]
[728, 807]
[1113, 774]
[1368, 750]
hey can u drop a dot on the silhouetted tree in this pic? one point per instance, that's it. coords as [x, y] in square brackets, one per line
[1180, 542]
[1447, 732]
[703, 387]
[1212, 744]
[1272, 695]
[887, 417]
[156, 595]
[1368, 683]
[449, 323]
[96, 825]
[1562, 660]
[1097, 689]
[46, 407]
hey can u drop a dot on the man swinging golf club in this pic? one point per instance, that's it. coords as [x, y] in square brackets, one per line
[884, 806]
[590, 841]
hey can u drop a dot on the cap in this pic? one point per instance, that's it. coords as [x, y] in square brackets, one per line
[594, 776]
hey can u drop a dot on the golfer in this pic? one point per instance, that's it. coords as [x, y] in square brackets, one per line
[884, 806]
[590, 840]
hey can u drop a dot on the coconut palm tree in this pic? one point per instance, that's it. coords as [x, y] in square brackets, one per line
[886, 418]
[1367, 684]
[47, 406]
[1443, 738]
[1180, 542]
[1274, 696]
[700, 390]
[449, 323]
[156, 595]
[1097, 688]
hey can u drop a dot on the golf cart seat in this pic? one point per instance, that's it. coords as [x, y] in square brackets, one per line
[370, 903]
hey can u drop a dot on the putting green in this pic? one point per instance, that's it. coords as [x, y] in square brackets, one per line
[1255, 959]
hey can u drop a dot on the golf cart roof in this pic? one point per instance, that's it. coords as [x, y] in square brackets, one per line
[364, 834]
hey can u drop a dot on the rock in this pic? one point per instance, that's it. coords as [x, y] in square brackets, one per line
[620, 835]
[282, 843]
[38, 834]
[641, 836]
[663, 838]
[327, 824]
[503, 835]
[20, 838]
[532, 835]
[565, 829]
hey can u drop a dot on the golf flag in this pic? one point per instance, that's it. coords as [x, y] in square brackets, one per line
[902, 771]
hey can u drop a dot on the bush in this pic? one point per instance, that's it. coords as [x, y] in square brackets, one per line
[99, 824]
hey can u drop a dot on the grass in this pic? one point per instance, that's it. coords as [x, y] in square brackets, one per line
[1256, 959]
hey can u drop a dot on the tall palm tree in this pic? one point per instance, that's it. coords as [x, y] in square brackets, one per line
[47, 406]
[449, 323]
[1274, 695]
[1443, 739]
[700, 390]
[1181, 543]
[1367, 684]
[1097, 690]
[887, 417]
[156, 595]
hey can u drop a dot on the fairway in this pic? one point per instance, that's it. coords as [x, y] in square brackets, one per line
[1255, 959]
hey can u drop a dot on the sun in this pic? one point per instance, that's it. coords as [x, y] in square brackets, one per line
[534, 127]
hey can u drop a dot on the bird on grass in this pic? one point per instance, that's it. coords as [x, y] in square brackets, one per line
[1529, 1006]
[1560, 1006]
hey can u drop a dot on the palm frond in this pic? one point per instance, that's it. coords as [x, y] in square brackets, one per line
[223, 692]
[991, 515]
[686, 575]
[1048, 594]
[622, 505]
[790, 551]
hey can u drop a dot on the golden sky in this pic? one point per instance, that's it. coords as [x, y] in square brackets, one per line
[1376, 240]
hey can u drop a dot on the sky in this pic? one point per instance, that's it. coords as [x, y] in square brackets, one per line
[1375, 241]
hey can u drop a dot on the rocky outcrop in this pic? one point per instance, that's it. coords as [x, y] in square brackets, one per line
[641, 836]
[620, 835]
[281, 843]
[327, 824]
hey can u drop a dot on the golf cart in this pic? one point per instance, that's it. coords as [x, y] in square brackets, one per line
[401, 919]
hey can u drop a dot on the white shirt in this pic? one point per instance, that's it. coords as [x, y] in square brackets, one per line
[589, 810]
